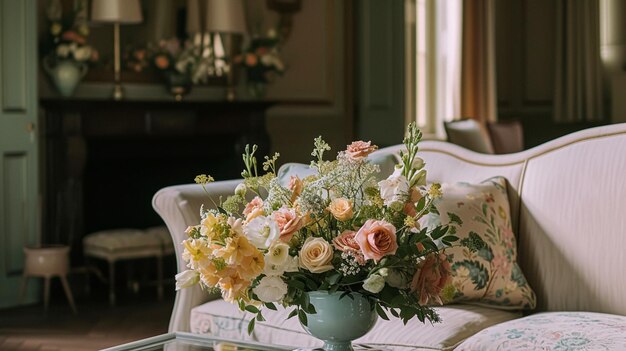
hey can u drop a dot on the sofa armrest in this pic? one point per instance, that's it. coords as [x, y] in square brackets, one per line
[179, 207]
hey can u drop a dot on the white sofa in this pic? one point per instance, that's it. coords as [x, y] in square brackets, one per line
[568, 204]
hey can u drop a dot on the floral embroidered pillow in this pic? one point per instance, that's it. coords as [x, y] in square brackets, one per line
[489, 276]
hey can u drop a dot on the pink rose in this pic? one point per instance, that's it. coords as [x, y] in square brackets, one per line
[253, 209]
[345, 241]
[432, 275]
[376, 239]
[360, 149]
[288, 222]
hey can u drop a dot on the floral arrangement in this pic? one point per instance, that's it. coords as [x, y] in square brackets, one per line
[337, 230]
[261, 60]
[68, 37]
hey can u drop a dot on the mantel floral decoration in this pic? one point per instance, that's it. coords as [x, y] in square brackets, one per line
[67, 52]
[262, 62]
[67, 38]
[339, 230]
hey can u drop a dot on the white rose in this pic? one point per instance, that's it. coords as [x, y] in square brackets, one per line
[271, 289]
[262, 231]
[63, 50]
[186, 279]
[316, 255]
[394, 189]
[82, 53]
[374, 283]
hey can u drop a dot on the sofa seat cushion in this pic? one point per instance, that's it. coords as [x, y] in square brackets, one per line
[222, 319]
[553, 331]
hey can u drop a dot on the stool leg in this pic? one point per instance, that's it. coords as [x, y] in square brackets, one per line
[160, 277]
[46, 293]
[87, 276]
[112, 283]
[23, 289]
[68, 293]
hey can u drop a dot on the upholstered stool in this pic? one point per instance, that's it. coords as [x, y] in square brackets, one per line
[126, 244]
[47, 262]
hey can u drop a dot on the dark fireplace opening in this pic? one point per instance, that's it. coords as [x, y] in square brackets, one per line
[122, 175]
[105, 160]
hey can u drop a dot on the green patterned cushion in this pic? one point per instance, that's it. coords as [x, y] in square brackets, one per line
[490, 276]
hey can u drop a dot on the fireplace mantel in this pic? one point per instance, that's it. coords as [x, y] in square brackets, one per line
[105, 159]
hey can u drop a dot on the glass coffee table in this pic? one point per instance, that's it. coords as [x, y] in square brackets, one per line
[180, 341]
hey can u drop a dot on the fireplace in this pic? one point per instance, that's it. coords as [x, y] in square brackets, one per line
[104, 160]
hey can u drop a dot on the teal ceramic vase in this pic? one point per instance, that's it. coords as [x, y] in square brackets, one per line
[339, 321]
[66, 75]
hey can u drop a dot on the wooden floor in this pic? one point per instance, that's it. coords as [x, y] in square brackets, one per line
[96, 326]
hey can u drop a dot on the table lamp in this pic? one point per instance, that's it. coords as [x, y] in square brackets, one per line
[226, 17]
[116, 12]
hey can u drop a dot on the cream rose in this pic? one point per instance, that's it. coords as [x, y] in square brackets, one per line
[376, 239]
[288, 222]
[341, 209]
[360, 149]
[316, 255]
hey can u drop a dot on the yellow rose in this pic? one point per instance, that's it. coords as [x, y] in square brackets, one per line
[316, 255]
[341, 209]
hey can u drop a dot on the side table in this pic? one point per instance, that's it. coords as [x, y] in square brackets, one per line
[180, 341]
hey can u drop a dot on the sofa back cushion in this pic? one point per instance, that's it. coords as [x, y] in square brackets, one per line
[573, 222]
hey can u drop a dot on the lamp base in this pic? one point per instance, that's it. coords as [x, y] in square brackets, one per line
[230, 94]
[118, 92]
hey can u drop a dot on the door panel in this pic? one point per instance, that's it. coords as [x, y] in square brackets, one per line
[19, 193]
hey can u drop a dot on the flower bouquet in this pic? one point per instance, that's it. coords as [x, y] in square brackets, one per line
[262, 62]
[339, 231]
[68, 53]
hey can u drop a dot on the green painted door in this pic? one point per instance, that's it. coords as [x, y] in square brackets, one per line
[19, 190]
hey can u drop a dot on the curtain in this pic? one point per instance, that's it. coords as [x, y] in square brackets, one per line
[578, 69]
[478, 77]
[437, 63]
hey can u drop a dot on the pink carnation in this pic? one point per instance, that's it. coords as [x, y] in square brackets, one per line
[360, 149]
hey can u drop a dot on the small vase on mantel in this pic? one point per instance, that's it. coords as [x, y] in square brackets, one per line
[339, 320]
[257, 90]
[65, 75]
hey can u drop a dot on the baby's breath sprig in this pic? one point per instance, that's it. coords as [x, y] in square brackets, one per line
[270, 163]
[412, 138]
[249, 160]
